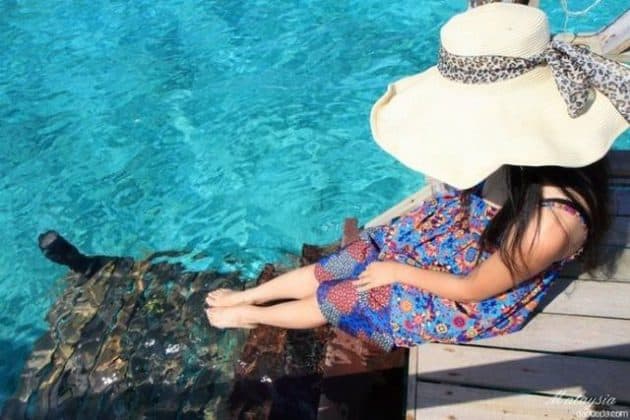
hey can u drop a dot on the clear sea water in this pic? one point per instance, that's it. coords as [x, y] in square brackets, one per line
[234, 129]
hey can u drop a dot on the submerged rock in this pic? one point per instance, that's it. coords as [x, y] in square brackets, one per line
[279, 372]
[130, 339]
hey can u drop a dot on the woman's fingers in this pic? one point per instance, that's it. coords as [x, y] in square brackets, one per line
[364, 281]
[362, 285]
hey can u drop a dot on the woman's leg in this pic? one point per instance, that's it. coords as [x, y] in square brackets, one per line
[296, 314]
[347, 262]
[294, 284]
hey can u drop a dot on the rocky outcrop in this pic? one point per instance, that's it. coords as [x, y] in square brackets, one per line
[130, 339]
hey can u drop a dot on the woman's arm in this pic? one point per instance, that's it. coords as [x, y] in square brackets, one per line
[557, 236]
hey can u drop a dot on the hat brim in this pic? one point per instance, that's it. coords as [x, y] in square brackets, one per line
[461, 133]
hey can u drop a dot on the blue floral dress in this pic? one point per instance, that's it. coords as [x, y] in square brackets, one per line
[438, 235]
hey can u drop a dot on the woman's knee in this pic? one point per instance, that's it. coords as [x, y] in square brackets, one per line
[346, 261]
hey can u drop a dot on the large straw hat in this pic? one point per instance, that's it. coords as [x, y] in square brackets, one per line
[461, 132]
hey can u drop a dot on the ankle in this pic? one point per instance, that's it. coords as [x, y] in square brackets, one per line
[249, 315]
[250, 296]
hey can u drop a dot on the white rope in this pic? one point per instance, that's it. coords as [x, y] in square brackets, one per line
[567, 12]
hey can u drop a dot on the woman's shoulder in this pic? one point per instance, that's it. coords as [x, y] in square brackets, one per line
[554, 197]
[570, 213]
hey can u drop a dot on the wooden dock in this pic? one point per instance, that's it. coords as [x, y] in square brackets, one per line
[573, 357]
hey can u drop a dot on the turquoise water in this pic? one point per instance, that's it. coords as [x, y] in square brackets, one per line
[233, 129]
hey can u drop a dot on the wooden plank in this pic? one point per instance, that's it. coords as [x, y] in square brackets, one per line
[612, 41]
[615, 266]
[524, 371]
[401, 207]
[580, 335]
[621, 201]
[412, 369]
[588, 298]
[620, 163]
[619, 232]
[449, 401]
[620, 182]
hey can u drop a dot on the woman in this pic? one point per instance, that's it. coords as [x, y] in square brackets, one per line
[511, 124]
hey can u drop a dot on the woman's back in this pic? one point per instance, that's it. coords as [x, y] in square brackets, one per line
[443, 233]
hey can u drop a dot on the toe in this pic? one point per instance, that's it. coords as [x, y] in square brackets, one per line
[209, 315]
[212, 296]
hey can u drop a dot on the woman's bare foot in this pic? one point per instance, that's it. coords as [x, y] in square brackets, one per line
[229, 317]
[227, 297]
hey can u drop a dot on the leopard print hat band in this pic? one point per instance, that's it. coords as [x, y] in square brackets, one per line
[449, 122]
[576, 71]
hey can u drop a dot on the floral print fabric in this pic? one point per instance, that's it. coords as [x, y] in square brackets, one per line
[436, 235]
[362, 314]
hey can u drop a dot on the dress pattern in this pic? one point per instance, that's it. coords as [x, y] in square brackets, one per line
[439, 235]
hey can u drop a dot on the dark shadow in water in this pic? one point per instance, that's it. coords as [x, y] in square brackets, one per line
[130, 339]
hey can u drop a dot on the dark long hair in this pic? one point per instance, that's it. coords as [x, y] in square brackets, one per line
[524, 186]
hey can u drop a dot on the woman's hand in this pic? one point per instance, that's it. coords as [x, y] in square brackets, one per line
[377, 273]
